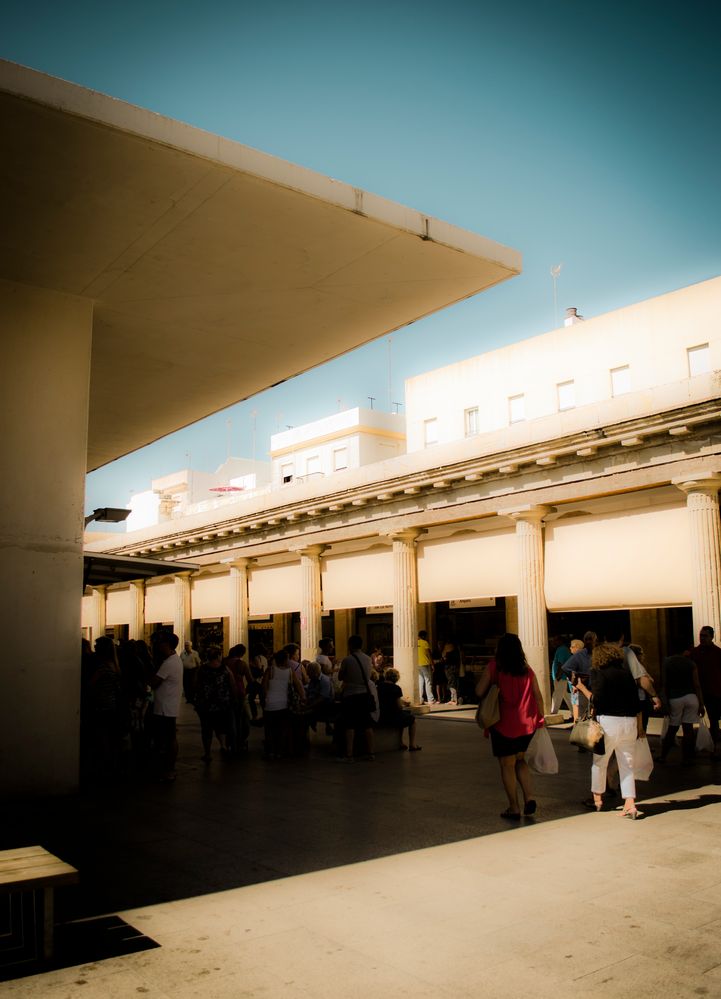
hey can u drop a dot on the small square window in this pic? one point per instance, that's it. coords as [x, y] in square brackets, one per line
[340, 458]
[430, 431]
[517, 408]
[566, 395]
[312, 464]
[286, 474]
[620, 380]
[699, 360]
[470, 421]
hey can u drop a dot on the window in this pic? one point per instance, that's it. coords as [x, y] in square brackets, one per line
[699, 360]
[517, 408]
[340, 458]
[312, 464]
[430, 431]
[566, 395]
[620, 380]
[286, 474]
[470, 421]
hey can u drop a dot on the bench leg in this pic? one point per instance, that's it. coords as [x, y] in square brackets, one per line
[48, 924]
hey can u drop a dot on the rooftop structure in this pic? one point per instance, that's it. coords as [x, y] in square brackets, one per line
[161, 273]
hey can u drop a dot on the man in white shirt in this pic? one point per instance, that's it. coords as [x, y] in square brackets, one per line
[167, 684]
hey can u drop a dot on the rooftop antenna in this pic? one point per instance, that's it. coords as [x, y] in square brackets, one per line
[340, 404]
[371, 400]
[398, 407]
[555, 271]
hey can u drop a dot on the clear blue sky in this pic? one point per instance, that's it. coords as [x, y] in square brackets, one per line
[582, 133]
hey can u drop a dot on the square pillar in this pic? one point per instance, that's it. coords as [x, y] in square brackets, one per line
[44, 388]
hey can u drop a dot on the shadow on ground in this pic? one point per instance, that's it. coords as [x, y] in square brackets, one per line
[235, 823]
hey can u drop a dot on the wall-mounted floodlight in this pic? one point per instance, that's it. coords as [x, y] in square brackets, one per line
[108, 515]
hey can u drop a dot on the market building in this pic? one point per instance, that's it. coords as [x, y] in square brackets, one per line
[546, 485]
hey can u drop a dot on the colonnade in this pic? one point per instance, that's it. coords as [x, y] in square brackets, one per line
[528, 608]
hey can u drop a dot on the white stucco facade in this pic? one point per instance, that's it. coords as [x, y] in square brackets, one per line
[336, 443]
[622, 358]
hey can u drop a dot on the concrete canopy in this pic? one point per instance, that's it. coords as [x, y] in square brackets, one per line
[215, 271]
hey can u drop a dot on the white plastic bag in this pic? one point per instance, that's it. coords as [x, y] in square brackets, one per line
[642, 760]
[540, 755]
[704, 739]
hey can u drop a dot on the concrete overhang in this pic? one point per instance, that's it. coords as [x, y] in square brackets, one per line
[216, 271]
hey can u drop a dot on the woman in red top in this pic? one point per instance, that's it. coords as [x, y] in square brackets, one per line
[521, 708]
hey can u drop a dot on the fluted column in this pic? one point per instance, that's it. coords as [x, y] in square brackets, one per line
[181, 610]
[98, 621]
[238, 623]
[136, 626]
[405, 610]
[532, 616]
[310, 600]
[702, 503]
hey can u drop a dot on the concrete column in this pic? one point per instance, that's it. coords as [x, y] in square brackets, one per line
[44, 383]
[702, 503]
[238, 625]
[344, 623]
[181, 610]
[405, 611]
[136, 625]
[97, 627]
[310, 601]
[532, 617]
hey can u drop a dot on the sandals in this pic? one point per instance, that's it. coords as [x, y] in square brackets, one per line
[632, 813]
[415, 749]
[512, 816]
[530, 807]
[592, 805]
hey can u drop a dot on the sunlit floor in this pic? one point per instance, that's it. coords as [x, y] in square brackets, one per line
[572, 903]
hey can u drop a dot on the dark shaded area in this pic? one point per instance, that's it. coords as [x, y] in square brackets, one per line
[235, 823]
[76, 943]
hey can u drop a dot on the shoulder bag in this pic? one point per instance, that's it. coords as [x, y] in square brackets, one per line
[488, 712]
[587, 734]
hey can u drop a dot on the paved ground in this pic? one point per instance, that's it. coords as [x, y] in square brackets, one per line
[391, 878]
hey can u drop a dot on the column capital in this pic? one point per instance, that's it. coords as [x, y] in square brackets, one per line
[310, 551]
[529, 514]
[706, 481]
[242, 562]
[139, 584]
[100, 588]
[406, 534]
[185, 574]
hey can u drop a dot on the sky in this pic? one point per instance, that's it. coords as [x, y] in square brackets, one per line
[582, 134]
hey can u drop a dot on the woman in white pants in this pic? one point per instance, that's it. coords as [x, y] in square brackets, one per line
[616, 707]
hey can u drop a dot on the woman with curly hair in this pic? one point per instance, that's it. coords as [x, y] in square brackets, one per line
[521, 708]
[615, 705]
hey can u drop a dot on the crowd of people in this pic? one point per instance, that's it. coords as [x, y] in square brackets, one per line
[608, 682]
[131, 696]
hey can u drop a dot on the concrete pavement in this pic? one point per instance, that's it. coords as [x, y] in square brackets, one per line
[392, 878]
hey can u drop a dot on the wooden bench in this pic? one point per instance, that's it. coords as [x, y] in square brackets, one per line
[31, 868]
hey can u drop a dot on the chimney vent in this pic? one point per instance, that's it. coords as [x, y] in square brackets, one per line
[572, 317]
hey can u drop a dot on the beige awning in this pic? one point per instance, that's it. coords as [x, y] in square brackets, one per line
[361, 579]
[468, 565]
[635, 560]
[274, 589]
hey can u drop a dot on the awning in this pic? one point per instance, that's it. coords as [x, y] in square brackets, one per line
[100, 569]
